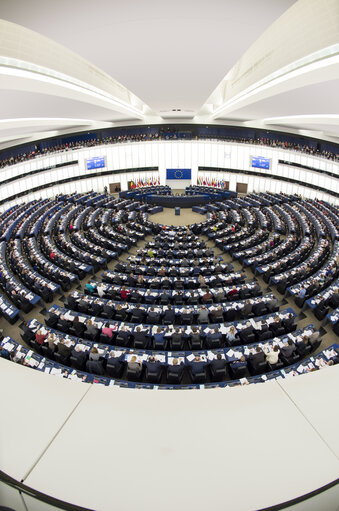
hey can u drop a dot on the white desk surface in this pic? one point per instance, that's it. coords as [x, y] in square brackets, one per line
[242, 448]
[34, 406]
[318, 401]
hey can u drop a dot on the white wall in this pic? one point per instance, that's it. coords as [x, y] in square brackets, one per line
[171, 154]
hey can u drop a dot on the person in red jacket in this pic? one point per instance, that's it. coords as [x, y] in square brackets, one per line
[40, 337]
[124, 293]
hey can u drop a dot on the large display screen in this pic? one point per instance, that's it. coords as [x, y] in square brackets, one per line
[261, 163]
[178, 174]
[96, 162]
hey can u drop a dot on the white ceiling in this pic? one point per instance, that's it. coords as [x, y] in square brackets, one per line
[170, 55]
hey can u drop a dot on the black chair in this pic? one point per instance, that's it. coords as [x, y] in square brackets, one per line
[263, 336]
[62, 328]
[218, 374]
[105, 339]
[133, 374]
[173, 377]
[91, 337]
[75, 363]
[115, 370]
[293, 359]
[36, 346]
[195, 344]
[153, 376]
[315, 345]
[275, 367]
[141, 344]
[62, 360]
[95, 367]
[47, 353]
[122, 341]
[299, 302]
[321, 311]
[258, 368]
[238, 372]
[197, 377]
[229, 315]
[177, 344]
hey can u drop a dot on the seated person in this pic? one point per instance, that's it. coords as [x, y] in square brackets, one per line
[187, 316]
[301, 346]
[246, 309]
[256, 358]
[231, 335]
[218, 363]
[213, 339]
[40, 337]
[176, 369]
[79, 355]
[153, 365]
[79, 327]
[159, 338]
[288, 349]
[96, 307]
[195, 335]
[207, 296]
[138, 313]
[134, 366]
[232, 293]
[124, 293]
[107, 330]
[272, 356]
[91, 329]
[63, 350]
[236, 364]
[197, 365]
[177, 339]
[50, 342]
[152, 316]
[275, 325]
[217, 315]
[169, 315]
[259, 308]
[141, 336]
[203, 315]
[94, 354]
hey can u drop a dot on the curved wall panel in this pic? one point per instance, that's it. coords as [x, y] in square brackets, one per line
[48, 171]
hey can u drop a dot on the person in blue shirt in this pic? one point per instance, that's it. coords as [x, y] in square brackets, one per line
[90, 287]
[302, 293]
[159, 338]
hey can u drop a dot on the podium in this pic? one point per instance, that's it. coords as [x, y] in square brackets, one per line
[177, 211]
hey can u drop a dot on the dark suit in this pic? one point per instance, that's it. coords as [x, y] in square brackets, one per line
[259, 309]
[197, 367]
[176, 370]
[95, 367]
[154, 367]
[213, 339]
[79, 328]
[256, 359]
[64, 350]
[80, 356]
[217, 365]
[169, 315]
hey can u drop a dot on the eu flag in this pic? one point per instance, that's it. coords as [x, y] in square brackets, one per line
[178, 174]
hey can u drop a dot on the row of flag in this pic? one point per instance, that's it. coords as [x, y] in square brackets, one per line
[149, 181]
[209, 181]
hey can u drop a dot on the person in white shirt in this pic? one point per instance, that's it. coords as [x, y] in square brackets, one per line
[272, 356]
[101, 289]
